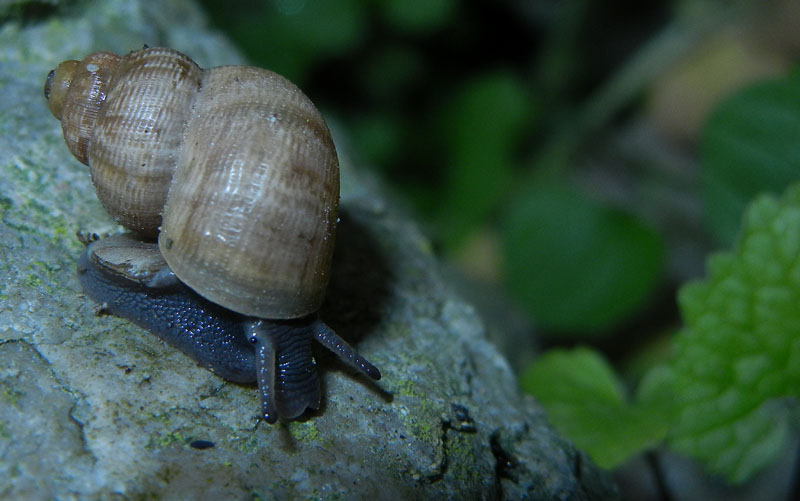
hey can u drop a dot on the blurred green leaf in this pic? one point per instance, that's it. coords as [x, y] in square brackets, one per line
[751, 144]
[737, 362]
[575, 265]
[390, 70]
[585, 401]
[418, 16]
[482, 125]
[379, 137]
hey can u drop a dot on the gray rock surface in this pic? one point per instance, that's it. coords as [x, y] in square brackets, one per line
[93, 407]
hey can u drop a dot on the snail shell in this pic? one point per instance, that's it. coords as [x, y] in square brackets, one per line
[234, 164]
[235, 173]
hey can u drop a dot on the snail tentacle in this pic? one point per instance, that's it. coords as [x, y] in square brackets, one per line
[265, 368]
[286, 370]
[346, 353]
[298, 386]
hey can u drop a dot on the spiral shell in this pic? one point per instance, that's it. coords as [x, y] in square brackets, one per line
[232, 168]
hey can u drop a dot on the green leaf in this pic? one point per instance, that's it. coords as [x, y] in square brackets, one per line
[750, 145]
[585, 402]
[577, 266]
[389, 71]
[378, 137]
[737, 362]
[481, 124]
[418, 17]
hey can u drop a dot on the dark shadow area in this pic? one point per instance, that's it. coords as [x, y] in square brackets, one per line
[34, 12]
[360, 278]
[357, 294]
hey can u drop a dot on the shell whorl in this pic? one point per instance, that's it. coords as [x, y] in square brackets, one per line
[139, 133]
[78, 95]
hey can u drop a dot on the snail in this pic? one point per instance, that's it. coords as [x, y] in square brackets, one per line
[229, 182]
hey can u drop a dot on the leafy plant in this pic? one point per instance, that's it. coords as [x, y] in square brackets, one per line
[725, 396]
[727, 393]
[739, 354]
[587, 402]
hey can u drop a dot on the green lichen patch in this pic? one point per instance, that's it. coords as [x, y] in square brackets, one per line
[168, 439]
[406, 388]
[9, 393]
[245, 443]
[5, 205]
[304, 431]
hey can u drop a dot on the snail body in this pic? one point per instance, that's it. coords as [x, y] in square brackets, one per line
[234, 172]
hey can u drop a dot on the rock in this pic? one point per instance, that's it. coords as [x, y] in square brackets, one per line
[94, 407]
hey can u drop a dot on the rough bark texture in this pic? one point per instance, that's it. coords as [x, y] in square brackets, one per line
[94, 407]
